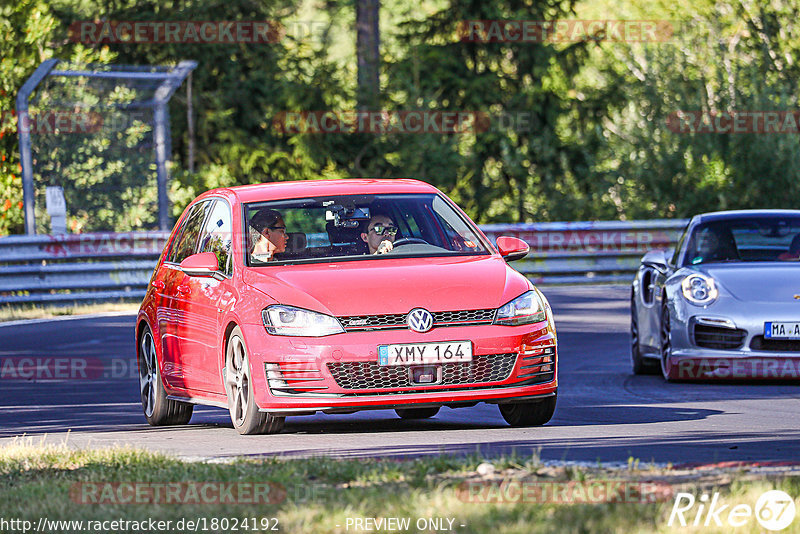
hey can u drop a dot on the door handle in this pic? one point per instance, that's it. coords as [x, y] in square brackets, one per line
[158, 284]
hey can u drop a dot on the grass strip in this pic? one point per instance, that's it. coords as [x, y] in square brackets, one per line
[319, 495]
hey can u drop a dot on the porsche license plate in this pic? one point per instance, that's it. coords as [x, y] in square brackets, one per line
[425, 353]
[782, 330]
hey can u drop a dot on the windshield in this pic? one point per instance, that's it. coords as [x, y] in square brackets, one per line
[357, 227]
[750, 239]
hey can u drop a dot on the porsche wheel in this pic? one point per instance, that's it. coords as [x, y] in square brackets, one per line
[245, 415]
[416, 413]
[667, 368]
[528, 413]
[639, 364]
[158, 409]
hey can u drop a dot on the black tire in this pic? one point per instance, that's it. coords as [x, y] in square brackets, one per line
[665, 342]
[639, 364]
[158, 409]
[246, 417]
[416, 413]
[522, 414]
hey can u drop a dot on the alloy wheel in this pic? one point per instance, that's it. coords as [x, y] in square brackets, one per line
[238, 380]
[148, 374]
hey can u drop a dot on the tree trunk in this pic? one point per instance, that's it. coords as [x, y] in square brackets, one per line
[367, 50]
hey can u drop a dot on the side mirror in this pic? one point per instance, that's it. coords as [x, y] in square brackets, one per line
[668, 254]
[202, 264]
[512, 248]
[656, 259]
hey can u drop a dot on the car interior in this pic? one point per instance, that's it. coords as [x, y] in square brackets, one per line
[328, 228]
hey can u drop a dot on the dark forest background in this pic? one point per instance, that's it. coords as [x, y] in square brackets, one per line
[596, 144]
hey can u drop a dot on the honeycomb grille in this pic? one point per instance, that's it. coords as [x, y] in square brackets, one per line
[370, 375]
[465, 316]
[355, 323]
[365, 322]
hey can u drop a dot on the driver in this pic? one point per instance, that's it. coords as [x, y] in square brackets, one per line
[380, 234]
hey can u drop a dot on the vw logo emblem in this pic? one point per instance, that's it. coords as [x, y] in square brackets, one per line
[420, 320]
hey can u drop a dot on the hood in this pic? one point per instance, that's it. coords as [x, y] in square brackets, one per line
[367, 287]
[757, 281]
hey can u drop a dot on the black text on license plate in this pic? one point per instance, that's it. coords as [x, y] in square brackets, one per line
[425, 353]
[782, 330]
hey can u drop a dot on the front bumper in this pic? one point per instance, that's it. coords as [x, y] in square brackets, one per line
[740, 325]
[305, 375]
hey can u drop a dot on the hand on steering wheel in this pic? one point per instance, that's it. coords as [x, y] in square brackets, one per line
[409, 240]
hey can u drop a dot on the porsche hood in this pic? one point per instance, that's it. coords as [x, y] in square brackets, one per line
[756, 282]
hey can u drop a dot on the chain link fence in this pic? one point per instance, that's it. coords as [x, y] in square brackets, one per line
[95, 145]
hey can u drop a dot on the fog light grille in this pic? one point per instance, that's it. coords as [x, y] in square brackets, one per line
[716, 337]
[538, 364]
[294, 377]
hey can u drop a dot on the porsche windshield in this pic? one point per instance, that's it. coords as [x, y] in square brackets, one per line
[746, 239]
[357, 227]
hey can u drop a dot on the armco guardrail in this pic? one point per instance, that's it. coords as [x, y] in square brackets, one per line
[114, 266]
[587, 252]
[77, 267]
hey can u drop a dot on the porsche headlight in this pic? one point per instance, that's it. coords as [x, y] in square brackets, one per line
[282, 320]
[699, 289]
[525, 309]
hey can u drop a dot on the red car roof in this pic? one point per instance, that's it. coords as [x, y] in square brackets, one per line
[343, 186]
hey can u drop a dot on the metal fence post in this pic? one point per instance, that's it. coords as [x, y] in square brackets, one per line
[161, 98]
[160, 133]
[23, 130]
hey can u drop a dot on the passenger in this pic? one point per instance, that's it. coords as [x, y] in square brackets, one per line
[793, 254]
[268, 235]
[380, 234]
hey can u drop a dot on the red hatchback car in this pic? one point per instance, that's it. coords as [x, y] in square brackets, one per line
[337, 296]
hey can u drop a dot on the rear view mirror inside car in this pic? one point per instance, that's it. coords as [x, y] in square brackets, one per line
[346, 216]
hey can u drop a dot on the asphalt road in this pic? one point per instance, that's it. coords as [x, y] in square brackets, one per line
[604, 413]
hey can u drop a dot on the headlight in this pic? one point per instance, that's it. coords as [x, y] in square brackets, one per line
[290, 321]
[699, 289]
[525, 309]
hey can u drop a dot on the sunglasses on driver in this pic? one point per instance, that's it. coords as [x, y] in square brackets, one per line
[380, 229]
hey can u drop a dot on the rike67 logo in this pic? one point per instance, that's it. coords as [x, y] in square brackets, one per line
[774, 511]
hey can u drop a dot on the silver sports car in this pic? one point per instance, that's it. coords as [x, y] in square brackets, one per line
[725, 303]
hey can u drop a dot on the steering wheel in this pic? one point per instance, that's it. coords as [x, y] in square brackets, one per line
[408, 241]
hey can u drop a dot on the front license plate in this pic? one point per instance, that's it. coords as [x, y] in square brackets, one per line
[425, 353]
[782, 330]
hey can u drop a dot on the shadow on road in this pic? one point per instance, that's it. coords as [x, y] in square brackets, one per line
[701, 446]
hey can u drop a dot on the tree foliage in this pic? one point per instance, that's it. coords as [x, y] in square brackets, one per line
[577, 130]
